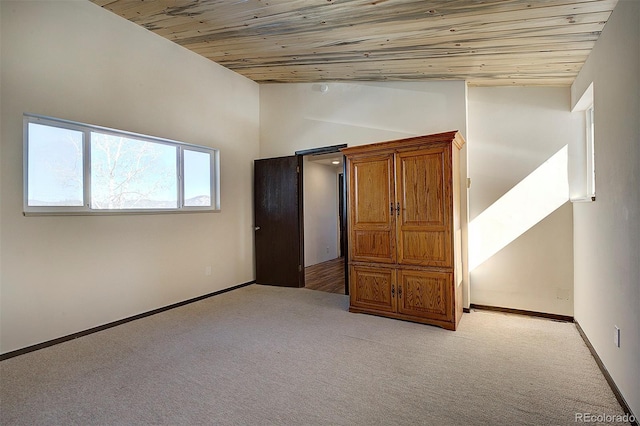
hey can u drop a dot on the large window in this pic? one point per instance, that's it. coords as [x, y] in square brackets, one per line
[83, 169]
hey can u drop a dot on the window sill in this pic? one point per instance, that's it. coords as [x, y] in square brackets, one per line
[583, 199]
[117, 212]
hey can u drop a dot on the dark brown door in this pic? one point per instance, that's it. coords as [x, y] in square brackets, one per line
[278, 221]
[341, 215]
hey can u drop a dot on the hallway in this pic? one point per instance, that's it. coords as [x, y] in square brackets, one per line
[326, 276]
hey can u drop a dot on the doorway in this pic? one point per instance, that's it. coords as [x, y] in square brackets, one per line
[279, 219]
[324, 219]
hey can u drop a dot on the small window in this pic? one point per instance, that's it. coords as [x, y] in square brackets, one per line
[590, 152]
[83, 169]
[582, 166]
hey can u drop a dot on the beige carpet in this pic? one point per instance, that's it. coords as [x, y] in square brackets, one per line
[265, 355]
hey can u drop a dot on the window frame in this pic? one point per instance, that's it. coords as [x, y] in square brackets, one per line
[85, 209]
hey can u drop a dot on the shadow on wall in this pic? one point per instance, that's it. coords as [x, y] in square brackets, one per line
[531, 200]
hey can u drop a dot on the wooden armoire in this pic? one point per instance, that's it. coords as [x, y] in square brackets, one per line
[404, 229]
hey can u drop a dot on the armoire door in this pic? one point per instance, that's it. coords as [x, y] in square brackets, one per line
[371, 196]
[425, 294]
[372, 288]
[422, 180]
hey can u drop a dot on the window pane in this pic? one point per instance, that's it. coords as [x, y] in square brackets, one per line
[197, 179]
[55, 171]
[128, 173]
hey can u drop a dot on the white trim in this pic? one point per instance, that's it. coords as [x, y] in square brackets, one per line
[585, 101]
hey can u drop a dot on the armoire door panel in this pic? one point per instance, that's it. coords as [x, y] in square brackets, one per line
[425, 248]
[373, 246]
[425, 294]
[424, 195]
[421, 179]
[372, 288]
[372, 218]
[372, 190]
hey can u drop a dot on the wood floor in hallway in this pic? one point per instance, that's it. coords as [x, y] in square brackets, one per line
[326, 276]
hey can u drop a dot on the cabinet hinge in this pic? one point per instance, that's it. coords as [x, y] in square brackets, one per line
[299, 268]
[297, 169]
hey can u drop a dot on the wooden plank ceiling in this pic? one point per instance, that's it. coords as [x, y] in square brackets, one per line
[487, 43]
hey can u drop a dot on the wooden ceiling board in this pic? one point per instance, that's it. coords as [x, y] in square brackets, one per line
[490, 42]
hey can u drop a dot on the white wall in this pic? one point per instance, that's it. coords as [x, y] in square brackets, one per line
[607, 231]
[512, 132]
[299, 116]
[77, 61]
[320, 212]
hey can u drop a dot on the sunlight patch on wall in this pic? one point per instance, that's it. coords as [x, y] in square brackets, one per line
[531, 200]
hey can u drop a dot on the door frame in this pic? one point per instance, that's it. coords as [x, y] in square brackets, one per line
[344, 231]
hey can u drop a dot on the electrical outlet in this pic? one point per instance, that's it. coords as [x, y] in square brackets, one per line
[207, 270]
[616, 336]
[563, 294]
